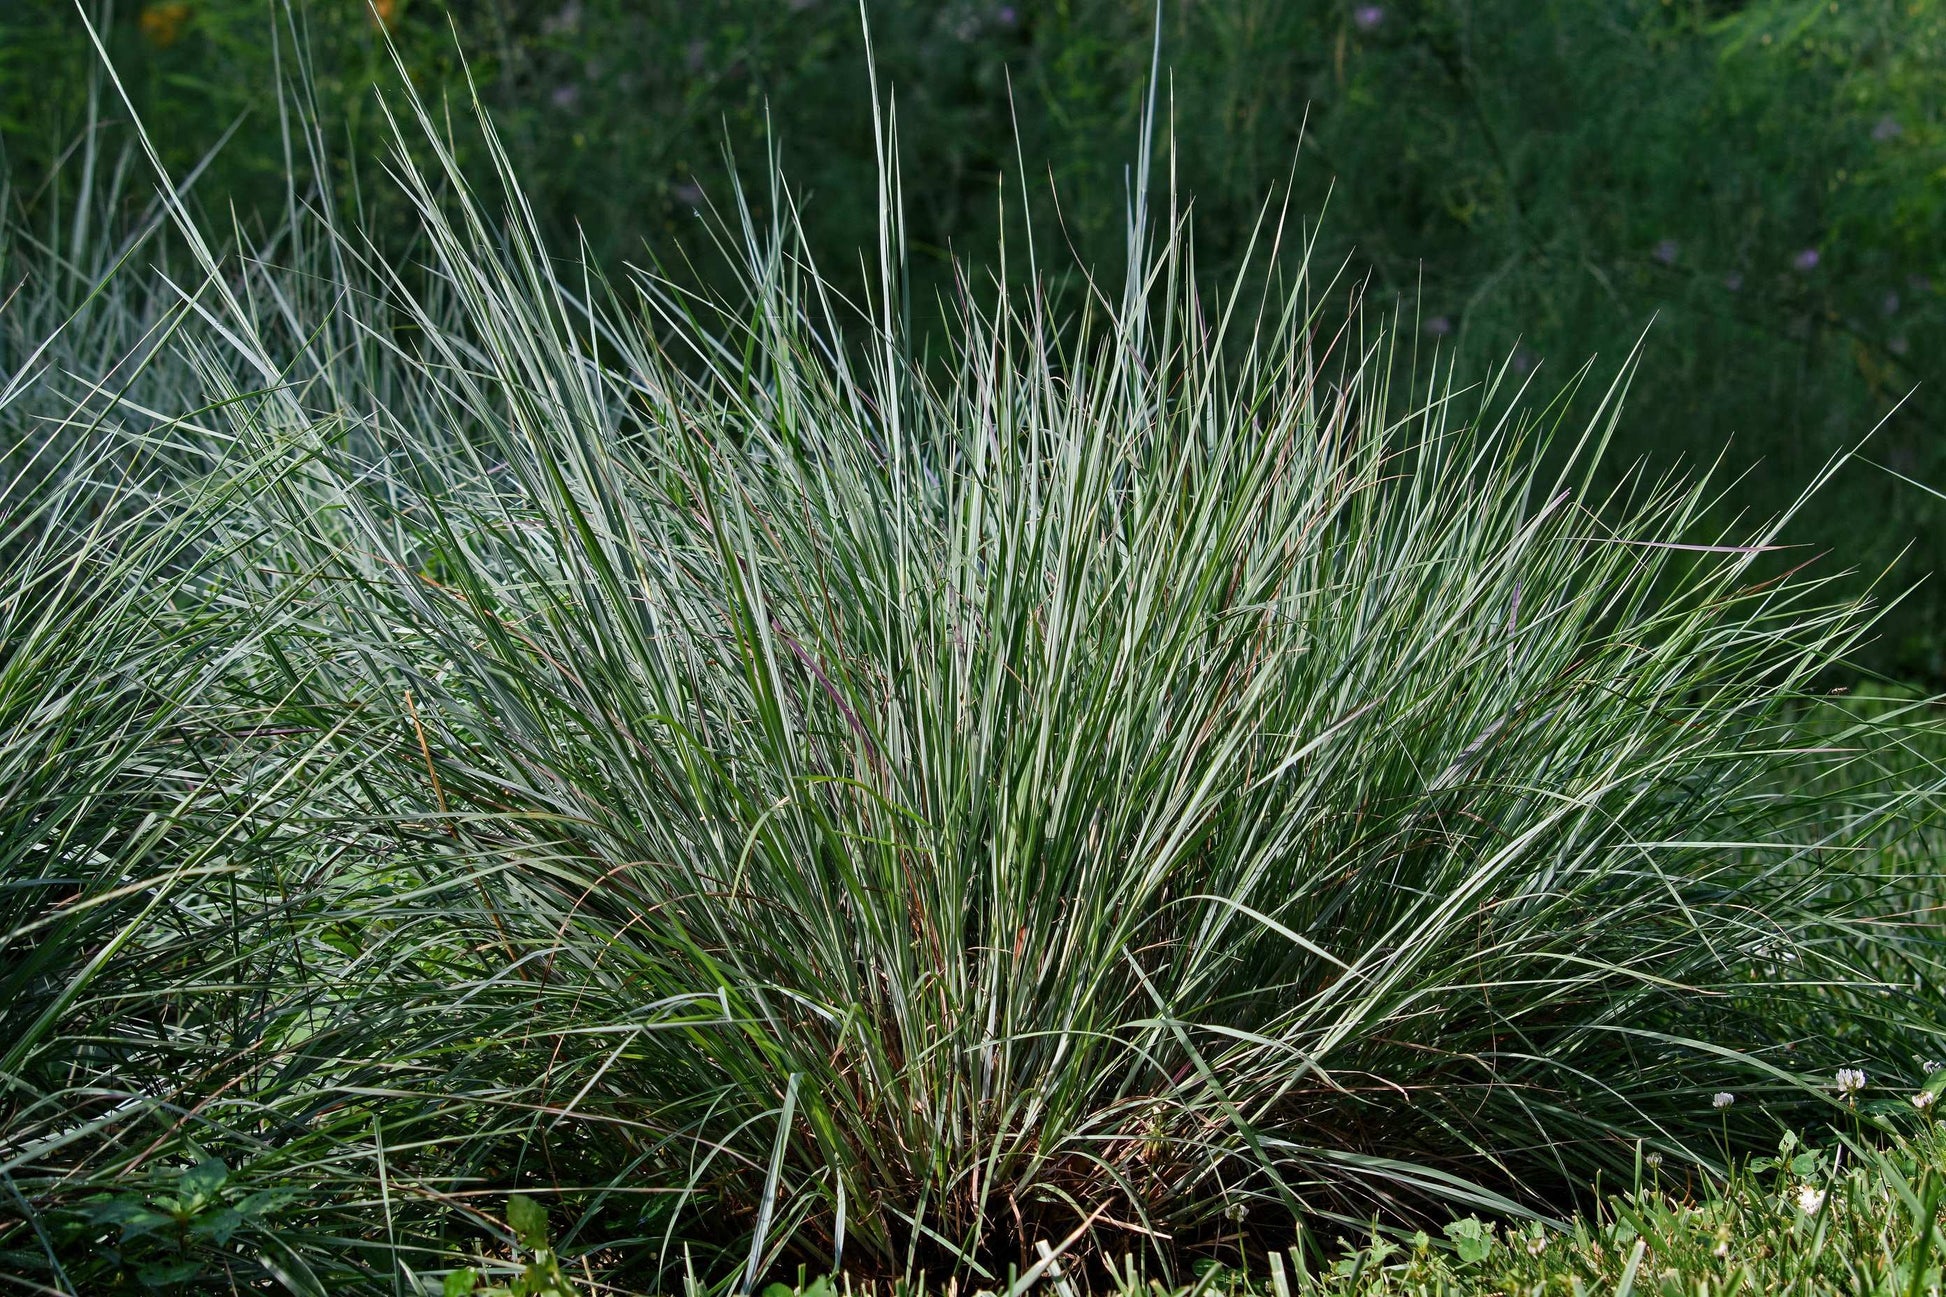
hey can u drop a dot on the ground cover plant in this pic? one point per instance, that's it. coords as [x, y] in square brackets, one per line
[1843, 1217]
[1132, 782]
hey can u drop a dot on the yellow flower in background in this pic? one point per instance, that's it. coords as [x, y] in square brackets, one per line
[162, 24]
[385, 13]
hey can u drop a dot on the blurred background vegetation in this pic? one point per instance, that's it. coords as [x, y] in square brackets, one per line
[1764, 181]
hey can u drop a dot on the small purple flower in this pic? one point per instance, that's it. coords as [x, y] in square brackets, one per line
[1888, 128]
[567, 20]
[1889, 303]
[1806, 261]
[1439, 326]
[1006, 15]
[565, 97]
[1667, 251]
[1898, 345]
[1733, 281]
[1523, 360]
[1368, 17]
[695, 54]
[688, 193]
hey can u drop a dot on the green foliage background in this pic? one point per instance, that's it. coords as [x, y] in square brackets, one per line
[1534, 181]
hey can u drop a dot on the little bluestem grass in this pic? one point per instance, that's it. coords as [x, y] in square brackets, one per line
[1133, 782]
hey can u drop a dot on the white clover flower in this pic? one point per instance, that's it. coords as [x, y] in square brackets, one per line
[1809, 1198]
[1536, 1245]
[1654, 1160]
[1850, 1081]
[1723, 1099]
[1923, 1100]
[1928, 1066]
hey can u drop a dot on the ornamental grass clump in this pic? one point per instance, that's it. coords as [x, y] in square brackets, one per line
[1167, 757]
[1165, 767]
